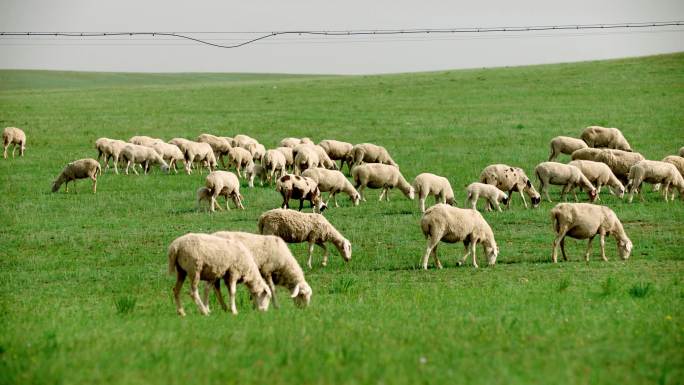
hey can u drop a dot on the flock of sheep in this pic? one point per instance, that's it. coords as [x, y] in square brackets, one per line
[302, 170]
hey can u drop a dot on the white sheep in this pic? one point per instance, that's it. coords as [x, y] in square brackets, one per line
[276, 264]
[681, 151]
[144, 156]
[619, 161]
[568, 176]
[109, 149]
[337, 150]
[210, 258]
[384, 176]
[297, 187]
[653, 171]
[142, 140]
[333, 182]
[430, 184]
[449, 224]
[239, 158]
[599, 174]
[220, 146]
[305, 158]
[609, 137]
[490, 193]
[171, 154]
[296, 227]
[253, 171]
[510, 179]
[243, 141]
[15, 137]
[293, 142]
[289, 157]
[224, 183]
[585, 221]
[323, 160]
[78, 169]
[371, 153]
[202, 153]
[258, 152]
[677, 161]
[274, 161]
[564, 145]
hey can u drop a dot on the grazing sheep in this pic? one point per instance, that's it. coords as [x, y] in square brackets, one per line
[144, 140]
[297, 187]
[293, 142]
[564, 145]
[258, 152]
[384, 176]
[565, 175]
[653, 171]
[109, 149]
[224, 183]
[677, 161]
[489, 192]
[619, 161]
[142, 155]
[295, 227]
[585, 221]
[78, 169]
[305, 158]
[430, 184]
[510, 179]
[323, 158]
[15, 137]
[204, 195]
[371, 153]
[333, 182]
[274, 160]
[289, 157]
[209, 258]
[243, 141]
[202, 153]
[276, 264]
[597, 136]
[599, 175]
[449, 224]
[171, 154]
[239, 157]
[337, 150]
[253, 171]
[182, 143]
[220, 146]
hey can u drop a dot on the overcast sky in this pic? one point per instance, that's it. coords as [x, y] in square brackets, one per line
[293, 54]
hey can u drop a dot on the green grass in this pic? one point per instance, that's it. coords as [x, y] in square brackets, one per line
[86, 298]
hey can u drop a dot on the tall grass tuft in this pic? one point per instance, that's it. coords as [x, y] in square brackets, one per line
[640, 290]
[125, 305]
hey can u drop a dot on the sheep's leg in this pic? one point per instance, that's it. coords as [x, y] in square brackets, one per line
[387, 195]
[271, 285]
[238, 171]
[4, 152]
[556, 242]
[22, 148]
[116, 166]
[465, 257]
[217, 291]
[602, 242]
[14, 148]
[66, 186]
[194, 293]
[523, 198]
[334, 199]
[562, 247]
[361, 188]
[438, 263]
[588, 252]
[94, 178]
[311, 247]
[232, 288]
[325, 253]
[180, 278]
[543, 189]
[431, 244]
[473, 248]
[382, 194]
[422, 204]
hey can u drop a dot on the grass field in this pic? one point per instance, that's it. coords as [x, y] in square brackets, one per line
[85, 297]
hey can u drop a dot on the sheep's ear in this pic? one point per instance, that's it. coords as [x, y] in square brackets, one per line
[295, 292]
[529, 184]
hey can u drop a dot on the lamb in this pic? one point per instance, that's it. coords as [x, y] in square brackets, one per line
[144, 140]
[15, 137]
[220, 146]
[210, 258]
[297, 187]
[619, 161]
[371, 153]
[171, 154]
[600, 175]
[78, 169]
[276, 264]
[430, 184]
[289, 157]
[489, 192]
[109, 149]
[565, 175]
[224, 183]
[142, 155]
[597, 136]
[564, 145]
[449, 224]
[274, 160]
[333, 182]
[201, 153]
[293, 142]
[378, 175]
[239, 157]
[510, 179]
[653, 171]
[256, 170]
[585, 221]
[337, 150]
[295, 227]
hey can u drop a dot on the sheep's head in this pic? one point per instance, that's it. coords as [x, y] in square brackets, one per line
[301, 294]
[451, 201]
[164, 166]
[262, 298]
[356, 199]
[411, 193]
[505, 199]
[624, 248]
[55, 185]
[592, 195]
[346, 250]
[492, 252]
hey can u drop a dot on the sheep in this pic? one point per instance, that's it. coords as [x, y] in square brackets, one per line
[143, 155]
[677, 161]
[295, 227]
[585, 221]
[510, 179]
[337, 150]
[597, 136]
[201, 153]
[653, 171]
[384, 176]
[430, 184]
[243, 141]
[15, 137]
[183, 145]
[210, 258]
[323, 158]
[171, 154]
[276, 264]
[333, 182]
[681, 151]
[274, 160]
[239, 157]
[224, 183]
[297, 187]
[371, 153]
[78, 169]
[445, 223]
[289, 157]
[564, 145]
[489, 192]
[109, 148]
[144, 140]
[293, 142]
[305, 158]
[619, 161]
[220, 146]
[258, 152]
[253, 171]
[565, 175]
[600, 175]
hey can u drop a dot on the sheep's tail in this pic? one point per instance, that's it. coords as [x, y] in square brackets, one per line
[355, 176]
[98, 170]
[554, 218]
[173, 255]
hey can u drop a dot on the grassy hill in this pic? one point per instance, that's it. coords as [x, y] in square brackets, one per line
[69, 262]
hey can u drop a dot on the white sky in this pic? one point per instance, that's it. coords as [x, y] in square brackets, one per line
[292, 54]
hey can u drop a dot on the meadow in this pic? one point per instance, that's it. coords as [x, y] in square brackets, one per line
[85, 296]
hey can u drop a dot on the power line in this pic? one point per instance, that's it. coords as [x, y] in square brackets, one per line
[346, 33]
